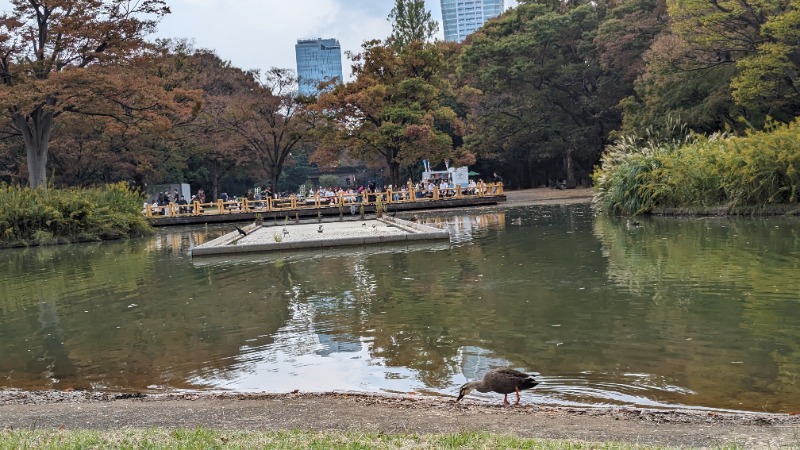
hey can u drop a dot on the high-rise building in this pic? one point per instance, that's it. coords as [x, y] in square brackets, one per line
[462, 17]
[318, 60]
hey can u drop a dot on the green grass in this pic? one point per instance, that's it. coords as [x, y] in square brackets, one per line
[202, 438]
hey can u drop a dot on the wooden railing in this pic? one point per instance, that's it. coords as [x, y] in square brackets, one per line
[342, 200]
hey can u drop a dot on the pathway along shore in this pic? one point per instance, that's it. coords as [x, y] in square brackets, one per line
[400, 414]
[394, 414]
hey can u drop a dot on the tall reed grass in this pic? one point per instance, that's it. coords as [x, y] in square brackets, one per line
[39, 217]
[751, 171]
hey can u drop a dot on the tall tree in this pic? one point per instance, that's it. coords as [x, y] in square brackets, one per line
[57, 56]
[212, 149]
[271, 121]
[761, 37]
[538, 82]
[718, 63]
[391, 114]
[411, 22]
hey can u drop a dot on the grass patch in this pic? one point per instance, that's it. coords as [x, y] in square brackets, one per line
[55, 216]
[202, 438]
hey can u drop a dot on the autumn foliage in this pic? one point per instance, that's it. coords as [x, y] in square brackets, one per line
[537, 95]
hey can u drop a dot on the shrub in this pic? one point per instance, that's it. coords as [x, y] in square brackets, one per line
[39, 217]
[757, 169]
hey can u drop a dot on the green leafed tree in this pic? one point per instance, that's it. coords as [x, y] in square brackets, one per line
[411, 22]
[544, 81]
[724, 64]
[761, 37]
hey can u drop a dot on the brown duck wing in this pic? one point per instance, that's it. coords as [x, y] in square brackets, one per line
[506, 381]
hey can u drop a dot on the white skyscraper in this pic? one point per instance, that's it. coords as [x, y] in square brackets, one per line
[461, 17]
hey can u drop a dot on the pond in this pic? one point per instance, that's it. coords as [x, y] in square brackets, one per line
[688, 312]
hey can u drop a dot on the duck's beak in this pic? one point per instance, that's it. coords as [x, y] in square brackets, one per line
[460, 396]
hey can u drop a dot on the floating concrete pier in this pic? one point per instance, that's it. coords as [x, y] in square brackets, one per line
[281, 237]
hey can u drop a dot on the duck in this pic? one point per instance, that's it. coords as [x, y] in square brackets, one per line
[503, 381]
[632, 223]
[517, 221]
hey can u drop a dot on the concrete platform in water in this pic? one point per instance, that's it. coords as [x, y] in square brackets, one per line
[281, 237]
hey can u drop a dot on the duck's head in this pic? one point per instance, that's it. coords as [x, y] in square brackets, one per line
[465, 389]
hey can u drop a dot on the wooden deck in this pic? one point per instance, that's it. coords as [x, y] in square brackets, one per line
[294, 208]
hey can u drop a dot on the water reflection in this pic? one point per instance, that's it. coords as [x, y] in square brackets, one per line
[677, 312]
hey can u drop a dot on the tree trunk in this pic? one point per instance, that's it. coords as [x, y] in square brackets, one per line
[274, 180]
[36, 130]
[569, 170]
[394, 173]
[215, 188]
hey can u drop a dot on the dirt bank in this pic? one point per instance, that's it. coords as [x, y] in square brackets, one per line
[392, 414]
[549, 196]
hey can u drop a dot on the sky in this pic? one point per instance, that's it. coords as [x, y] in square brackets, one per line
[260, 34]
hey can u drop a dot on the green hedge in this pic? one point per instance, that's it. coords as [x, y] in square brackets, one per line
[759, 169]
[39, 217]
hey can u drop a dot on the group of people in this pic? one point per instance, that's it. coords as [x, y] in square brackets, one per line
[328, 195]
[162, 200]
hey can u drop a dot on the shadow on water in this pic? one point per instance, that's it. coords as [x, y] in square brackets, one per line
[698, 313]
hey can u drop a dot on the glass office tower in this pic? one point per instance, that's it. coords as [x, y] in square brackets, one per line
[318, 60]
[461, 17]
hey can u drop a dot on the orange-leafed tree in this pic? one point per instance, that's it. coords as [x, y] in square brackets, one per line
[215, 149]
[273, 122]
[64, 56]
[394, 112]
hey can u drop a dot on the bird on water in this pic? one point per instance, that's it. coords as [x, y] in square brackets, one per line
[502, 381]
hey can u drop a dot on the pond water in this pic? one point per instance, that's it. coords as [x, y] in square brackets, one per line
[695, 312]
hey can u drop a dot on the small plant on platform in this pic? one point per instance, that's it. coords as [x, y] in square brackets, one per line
[361, 210]
[296, 217]
[379, 206]
[341, 209]
[259, 220]
[277, 237]
[319, 215]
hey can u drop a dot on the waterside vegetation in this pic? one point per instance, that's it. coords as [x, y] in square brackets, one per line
[53, 216]
[721, 173]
